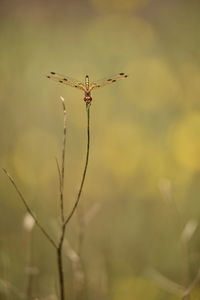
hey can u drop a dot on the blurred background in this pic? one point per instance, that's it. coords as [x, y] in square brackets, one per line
[140, 203]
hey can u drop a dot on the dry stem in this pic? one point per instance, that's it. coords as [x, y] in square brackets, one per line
[61, 173]
[61, 176]
[29, 210]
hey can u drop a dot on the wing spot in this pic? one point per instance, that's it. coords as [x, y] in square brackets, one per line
[60, 81]
[121, 74]
[113, 80]
[75, 86]
[48, 77]
[125, 76]
[65, 79]
[109, 79]
[53, 73]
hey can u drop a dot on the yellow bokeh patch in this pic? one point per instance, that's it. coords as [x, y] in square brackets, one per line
[134, 288]
[33, 157]
[185, 141]
[190, 78]
[119, 5]
[154, 84]
[122, 150]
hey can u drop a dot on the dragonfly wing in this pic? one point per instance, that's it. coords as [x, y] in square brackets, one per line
[66, 80]
[108, 80]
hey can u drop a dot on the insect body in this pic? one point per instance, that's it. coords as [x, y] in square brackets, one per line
[87, 97]
[86, 87]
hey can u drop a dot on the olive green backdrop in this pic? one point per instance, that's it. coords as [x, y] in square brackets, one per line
[143, 182]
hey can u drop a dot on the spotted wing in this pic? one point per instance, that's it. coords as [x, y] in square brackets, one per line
[108, 80]
[66, 80]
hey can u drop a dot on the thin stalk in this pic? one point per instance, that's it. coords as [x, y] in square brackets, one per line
[64, 224]
[29, 210]
[61, 174]
[62, 171]
[61, 272]
[85, 168]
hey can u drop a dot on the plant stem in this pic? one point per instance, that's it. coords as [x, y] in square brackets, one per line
[62, 171]
[64, 224]
[61, 272]
[85, 168]
[29, 210]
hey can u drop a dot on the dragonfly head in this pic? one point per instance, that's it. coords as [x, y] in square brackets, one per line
[87, 98]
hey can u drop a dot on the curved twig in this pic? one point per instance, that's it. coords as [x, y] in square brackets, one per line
[29, 209]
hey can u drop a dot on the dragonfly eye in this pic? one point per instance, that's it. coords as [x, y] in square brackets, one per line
[87, 98]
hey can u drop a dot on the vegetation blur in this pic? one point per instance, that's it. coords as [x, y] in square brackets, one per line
[137, 225]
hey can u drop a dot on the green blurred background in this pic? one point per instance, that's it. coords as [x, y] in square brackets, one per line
[143, 181]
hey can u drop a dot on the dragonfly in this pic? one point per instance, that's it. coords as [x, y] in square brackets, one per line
[86, 87]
